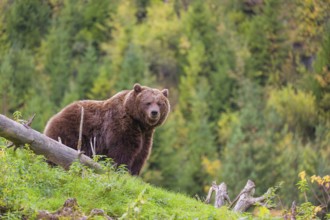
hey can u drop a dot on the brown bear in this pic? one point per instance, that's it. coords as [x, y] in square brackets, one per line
[122, 126]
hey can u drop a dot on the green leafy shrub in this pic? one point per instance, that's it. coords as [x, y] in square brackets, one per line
[319, 188]
[295, 108]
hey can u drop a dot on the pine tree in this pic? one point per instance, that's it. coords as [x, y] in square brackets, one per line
[322, 69]
[133, 69]
[87, 71]
[196, 140]
[54, 60]
[27, 21]
[266, 42]
[16, 73]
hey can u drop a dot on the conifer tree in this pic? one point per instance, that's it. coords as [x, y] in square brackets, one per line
[16, 73]
[190, 120]
[27, 21]
[54, 60]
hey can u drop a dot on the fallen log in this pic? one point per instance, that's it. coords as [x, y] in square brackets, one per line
[40, 144]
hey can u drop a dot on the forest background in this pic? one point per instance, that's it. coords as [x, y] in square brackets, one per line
[249, 80]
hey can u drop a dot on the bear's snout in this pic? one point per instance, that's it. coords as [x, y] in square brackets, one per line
[154, 113]
[153, 116]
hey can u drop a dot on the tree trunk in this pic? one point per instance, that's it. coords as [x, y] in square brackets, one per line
[245, 199]
[221, 194]
[43, 145]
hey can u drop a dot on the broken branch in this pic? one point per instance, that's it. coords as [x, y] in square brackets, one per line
[80, 129]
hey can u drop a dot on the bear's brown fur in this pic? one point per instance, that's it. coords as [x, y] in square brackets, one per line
[122, 125]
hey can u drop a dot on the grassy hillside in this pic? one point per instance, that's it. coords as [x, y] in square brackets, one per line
[249, 81]
[29, 184]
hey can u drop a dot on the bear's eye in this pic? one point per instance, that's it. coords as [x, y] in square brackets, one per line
[159, 103]
[148, 103]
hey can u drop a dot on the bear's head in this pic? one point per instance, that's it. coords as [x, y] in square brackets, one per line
[147, 105]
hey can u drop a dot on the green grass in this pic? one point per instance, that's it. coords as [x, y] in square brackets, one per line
[29, 184]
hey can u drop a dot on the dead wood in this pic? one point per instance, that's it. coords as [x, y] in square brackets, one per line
[40, 144]
[291, 215]
[221, 194]
[71, 210]
[93, 146]
[242, 202]
[80, 129]
[245, 199]
[293, 210]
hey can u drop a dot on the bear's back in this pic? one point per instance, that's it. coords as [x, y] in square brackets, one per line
[65, 124]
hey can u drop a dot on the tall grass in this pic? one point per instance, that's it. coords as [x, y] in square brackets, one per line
[29, 184]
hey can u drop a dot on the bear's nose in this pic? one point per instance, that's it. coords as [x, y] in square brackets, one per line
[154, 113]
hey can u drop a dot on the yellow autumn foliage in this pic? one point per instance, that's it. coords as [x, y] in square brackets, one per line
[302, 175]
[226, 124]
[322, 181]
[211, 167]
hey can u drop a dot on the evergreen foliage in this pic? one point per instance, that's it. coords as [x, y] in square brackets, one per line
[26, 22]
[249, 81]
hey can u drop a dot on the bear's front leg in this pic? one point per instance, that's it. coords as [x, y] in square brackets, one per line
[143, 155]
[124, 150]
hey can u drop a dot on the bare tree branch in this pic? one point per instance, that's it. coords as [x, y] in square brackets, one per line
[93, 146]
[293, 210]
[80, 129]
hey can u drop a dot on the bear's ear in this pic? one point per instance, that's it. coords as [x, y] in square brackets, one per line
[137, 88]
[165, 92]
